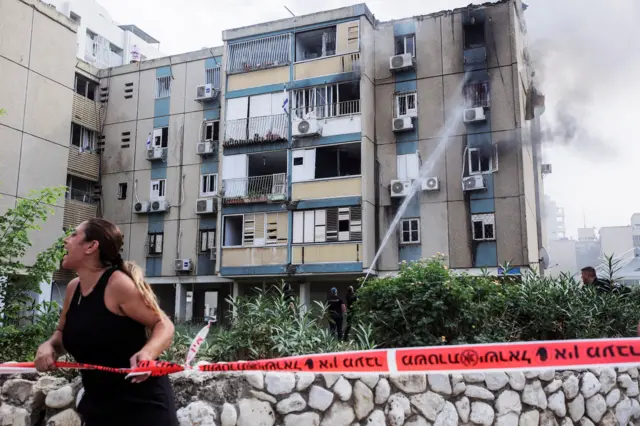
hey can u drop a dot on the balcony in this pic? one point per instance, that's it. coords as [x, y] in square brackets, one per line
[83, 164]
[340, 109]
[247, 131]
[78, 207]
[86, 112]
[255, 189]
[260, 54]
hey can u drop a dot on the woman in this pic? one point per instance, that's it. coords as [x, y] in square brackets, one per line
[110, 317]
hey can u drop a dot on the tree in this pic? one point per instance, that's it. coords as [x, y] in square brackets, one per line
[19, 281]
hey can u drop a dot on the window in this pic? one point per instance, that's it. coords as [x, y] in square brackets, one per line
[473, 36]
[408, 166]
[155, 243]
[327, 225]
[211, 131]
[353, 37]
[163, 87]
[326, 162]
[122, 191]
[483, 160]
[483, 227]
[80, 189]
[207, 240]
[410, 231]
[255, 230]
[406, 44]
[316, 44]
[267, 52]
[328, 101]
[476, 94]
[406, 104]
[212, 76]
[82, 137]
[85, 87]
[209, 185]
[158, 189]
[160, 137]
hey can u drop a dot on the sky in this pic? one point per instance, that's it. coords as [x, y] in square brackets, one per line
[583, 51]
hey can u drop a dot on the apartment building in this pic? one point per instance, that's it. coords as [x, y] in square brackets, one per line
[38, 90]
[286, 153]
[101, 41]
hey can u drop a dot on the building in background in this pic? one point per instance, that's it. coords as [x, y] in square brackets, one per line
[101, 41]
[288, 156]
[554, 218]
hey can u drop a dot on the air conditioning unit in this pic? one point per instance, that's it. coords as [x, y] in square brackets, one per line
[473, 183]
[159, 206]
[401, 62]
[205, 206]
[400, 188]
[430, 184]
[183, 265]
[402, 124]
[205, 92]
[472, 115]
[546, 169]
[156, 153]
[205, 148]
[141, 207]
[305, 128]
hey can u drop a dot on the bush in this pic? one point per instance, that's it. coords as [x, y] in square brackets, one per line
[266, 326]
[426, 304]
[20, 343]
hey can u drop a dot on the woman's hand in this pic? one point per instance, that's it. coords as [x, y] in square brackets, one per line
[46, 357]
[143, 355]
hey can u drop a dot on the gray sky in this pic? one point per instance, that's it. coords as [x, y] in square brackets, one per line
[586, 63]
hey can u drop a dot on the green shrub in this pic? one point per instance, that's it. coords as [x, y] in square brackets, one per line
[20, 343]
[266, 326]
[426, 304]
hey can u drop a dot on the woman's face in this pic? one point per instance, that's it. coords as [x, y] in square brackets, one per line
[77, 249]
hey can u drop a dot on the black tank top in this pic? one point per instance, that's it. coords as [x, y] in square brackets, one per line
[94, 335]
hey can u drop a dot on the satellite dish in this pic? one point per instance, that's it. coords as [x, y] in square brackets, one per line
[544, 258]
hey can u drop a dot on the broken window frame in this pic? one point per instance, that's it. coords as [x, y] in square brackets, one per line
[403, 39]
[493, 161]
[407, 236]
[484, 102]
[407, 96]
[163, 87]
[161, 192]
[327, 33]
[161, 138]
[206, 240]
[122, 190]
[212, 76]
[155, 243]
[267, 233]
[84, 133]
[215, 128]
[327, 224]
[324, 101]
[85, 87]
[206, 182]
[488, 222]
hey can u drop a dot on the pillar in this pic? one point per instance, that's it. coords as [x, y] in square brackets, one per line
[181, 302]
[235, 293]
[305, 295]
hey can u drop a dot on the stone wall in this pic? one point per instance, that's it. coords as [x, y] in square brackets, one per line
[605, 396]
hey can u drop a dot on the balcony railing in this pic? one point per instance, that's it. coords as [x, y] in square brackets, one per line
[255, 189]
[78, 195]
[267, 52]
[269, 128]
[328, 110]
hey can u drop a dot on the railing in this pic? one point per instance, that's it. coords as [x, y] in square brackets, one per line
[328, 110]
[477, 94]
[78, 195]
[351, 62]
[259, 54]
[255, 188]
[269, 128]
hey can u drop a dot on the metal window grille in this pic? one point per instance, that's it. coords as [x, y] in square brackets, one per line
[258, 54]
[163, 87]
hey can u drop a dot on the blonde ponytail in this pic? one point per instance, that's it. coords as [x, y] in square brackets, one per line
[135, 273]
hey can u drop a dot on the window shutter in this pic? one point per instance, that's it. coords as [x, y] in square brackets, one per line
[249, 229]
[298, 227]
[259, 237]
[332, 224]
[321, 226]
[309, 226]
[343, 223]
[355, 224]
[272, 229]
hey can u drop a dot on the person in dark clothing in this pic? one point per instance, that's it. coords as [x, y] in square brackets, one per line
[337, 309]
[590, 278]
[351, 299]
[288, 296]
[110, 317]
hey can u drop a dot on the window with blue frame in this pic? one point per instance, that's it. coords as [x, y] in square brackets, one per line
[406, 44]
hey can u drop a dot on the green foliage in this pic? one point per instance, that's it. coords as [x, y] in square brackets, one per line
[267, 326]
[2, 112]
[21, 343]
[426, 304]
[17, 280]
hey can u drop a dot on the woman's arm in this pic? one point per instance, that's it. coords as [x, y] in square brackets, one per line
[51, 349]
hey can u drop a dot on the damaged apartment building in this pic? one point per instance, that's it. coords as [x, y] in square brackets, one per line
[286, 153]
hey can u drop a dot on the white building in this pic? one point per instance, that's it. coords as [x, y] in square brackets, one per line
[101, 41]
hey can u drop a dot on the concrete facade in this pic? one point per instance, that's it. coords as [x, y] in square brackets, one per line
[37, 63]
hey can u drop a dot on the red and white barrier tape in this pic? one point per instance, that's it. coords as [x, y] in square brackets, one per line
[563, 354]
